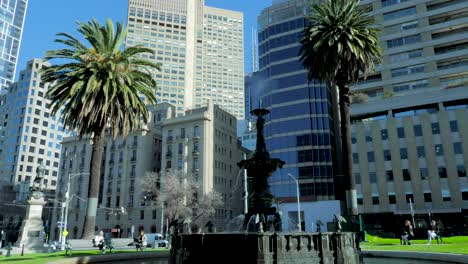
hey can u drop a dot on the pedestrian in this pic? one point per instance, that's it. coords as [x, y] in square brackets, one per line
[431, 231]
[142, 241]
[100, 241]
[407, 233]
[2, 238]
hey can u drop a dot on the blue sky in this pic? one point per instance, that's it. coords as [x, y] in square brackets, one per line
[45, 18]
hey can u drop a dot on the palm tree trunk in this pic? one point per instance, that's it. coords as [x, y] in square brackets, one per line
[345, 127]
[93, 186]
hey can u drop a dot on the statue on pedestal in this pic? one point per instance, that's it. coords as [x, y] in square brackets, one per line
[38, 185]
[31, 235]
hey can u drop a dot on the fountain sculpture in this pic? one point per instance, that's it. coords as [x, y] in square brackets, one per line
[261, 240]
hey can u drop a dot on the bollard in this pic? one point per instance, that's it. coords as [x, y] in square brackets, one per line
[22, 250]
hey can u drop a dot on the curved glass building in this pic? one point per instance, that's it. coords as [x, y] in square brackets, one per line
[300, 128]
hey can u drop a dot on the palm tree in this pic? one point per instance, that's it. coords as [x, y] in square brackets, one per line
[99, 87]
[339, 44]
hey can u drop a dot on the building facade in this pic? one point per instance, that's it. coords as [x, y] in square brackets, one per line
[203, 145]
[200, 49]
[125, 163]
[11, 26]
[32, 134]
[301, 127]
[409, 131]
[412, 160]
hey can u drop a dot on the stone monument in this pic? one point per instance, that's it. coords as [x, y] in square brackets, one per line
[31, 234]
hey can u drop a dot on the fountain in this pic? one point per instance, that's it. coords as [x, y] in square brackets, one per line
[261, 239]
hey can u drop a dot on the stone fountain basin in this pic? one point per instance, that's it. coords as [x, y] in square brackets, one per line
[264, 248]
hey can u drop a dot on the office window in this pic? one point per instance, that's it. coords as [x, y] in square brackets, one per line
[391, 199]
[389, 175]
[461, 171]
[399, 13]
[154, 214]
[406, 175]
[457, 148]
[421, 151]
[409, 198]
[387, 155]
[439, 150]
[359, 200]
[424, 173]
[142, 215]
[446, 198]
[370, 156]
[442, 172]
[375, 200]
[397, 42]
[401, 132]
[372, 177]
[384, 134]
[465, 196]
[435, 128]
[453, 126]
[427, 197]
[357, 177]
[403, 153]
[355, 158]
[417, 130]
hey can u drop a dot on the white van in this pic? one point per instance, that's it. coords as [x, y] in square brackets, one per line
[156, 240]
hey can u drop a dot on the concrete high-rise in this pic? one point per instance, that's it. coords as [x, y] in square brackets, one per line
[32, 134]
[201, 144]
[200, 49]
[11, 25]
[125, 162]
[410, 128]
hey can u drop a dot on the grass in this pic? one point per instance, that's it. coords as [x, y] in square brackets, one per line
[40, 258]
[454, 245]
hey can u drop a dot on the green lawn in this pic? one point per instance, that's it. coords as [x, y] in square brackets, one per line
[40, 258]
[455, 245]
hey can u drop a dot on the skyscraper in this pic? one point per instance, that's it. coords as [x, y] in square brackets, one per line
[409, 129]
[200, 49]
[300, 129]
[32, 134]
[11, 25]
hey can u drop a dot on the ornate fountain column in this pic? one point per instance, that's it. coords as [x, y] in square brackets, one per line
[259, 168]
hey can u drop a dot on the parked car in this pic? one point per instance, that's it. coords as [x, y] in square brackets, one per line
[156, 240]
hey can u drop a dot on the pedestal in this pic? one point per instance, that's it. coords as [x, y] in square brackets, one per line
[31, 234]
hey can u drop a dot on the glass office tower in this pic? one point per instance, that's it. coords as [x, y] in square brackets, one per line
[300, 128]
[11, 25]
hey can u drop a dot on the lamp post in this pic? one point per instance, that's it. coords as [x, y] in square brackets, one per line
[246, 190]
[299, 226]
[61, 222]
[67, 200]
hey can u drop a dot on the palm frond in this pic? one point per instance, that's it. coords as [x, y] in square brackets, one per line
[340, 39]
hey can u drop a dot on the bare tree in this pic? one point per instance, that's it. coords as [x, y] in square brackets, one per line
[179, 196]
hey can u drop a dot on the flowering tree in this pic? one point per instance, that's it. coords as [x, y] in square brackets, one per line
[179, 196]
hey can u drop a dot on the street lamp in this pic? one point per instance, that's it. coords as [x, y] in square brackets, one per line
[67, 200]
[299, 226]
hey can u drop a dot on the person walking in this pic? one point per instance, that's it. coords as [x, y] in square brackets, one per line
[407, 233]
[2, 238]
[142, 241]
[431, 231]
[100, 241]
